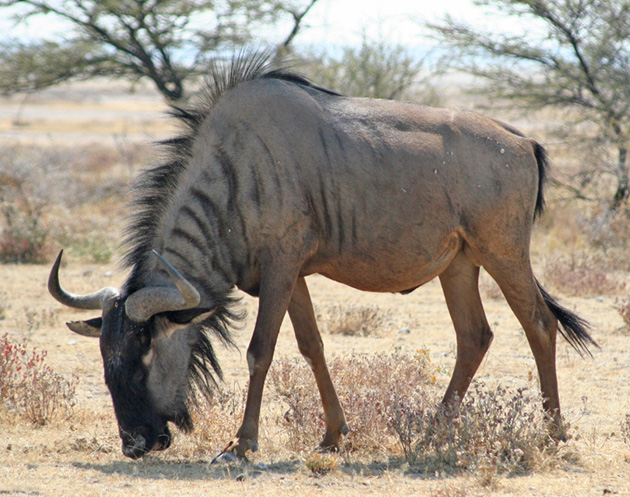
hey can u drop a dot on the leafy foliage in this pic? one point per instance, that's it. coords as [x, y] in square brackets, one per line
[167, 41]
[377, 69]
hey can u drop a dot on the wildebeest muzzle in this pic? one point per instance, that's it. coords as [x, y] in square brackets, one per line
[139, 443]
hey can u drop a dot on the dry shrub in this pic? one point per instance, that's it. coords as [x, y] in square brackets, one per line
[351, 319]
[623, 308]
[492, 432]
[389, 406]
[216, 421]
[4, 305]
[31, 179]
[42, 189]
[607, 229]
[582, 274]
[368, 387]
[29, 386]
[24, 241]
[625, 430]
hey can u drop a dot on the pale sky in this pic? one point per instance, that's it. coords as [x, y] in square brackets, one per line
[330, 22]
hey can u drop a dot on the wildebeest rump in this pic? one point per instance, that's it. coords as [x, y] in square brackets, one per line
[275, 179]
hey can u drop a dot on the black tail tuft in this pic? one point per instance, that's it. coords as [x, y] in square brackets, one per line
[573, 328]
[543, 165]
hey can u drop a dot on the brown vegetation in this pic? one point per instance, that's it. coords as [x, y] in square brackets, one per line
[389, 358]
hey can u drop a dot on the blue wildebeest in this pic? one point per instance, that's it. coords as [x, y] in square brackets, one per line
[275, 179]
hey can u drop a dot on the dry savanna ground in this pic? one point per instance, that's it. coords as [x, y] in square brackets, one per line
[90, 142]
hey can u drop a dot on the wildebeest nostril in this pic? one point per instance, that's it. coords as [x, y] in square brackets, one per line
[163, 441]
[137, 449]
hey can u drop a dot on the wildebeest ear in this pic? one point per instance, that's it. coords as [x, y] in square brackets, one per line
[173, 321]
[89, 328]
[190, 316]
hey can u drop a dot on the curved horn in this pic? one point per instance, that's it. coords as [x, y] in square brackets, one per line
[94, 300]
[147, 302]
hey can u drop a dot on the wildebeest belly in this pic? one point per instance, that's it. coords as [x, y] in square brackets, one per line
[391, 268]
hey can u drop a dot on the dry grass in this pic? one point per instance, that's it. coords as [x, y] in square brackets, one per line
[63, 196]
[623, 308]
[488, 288]
[492, 432]
[215, 422]
[401, 443]
[582, 274]
[368, 388]
[351, 319]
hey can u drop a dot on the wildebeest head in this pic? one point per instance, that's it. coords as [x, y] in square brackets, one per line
[147, 341]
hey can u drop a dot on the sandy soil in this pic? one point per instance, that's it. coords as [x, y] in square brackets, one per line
[62, 458]
[82, 457]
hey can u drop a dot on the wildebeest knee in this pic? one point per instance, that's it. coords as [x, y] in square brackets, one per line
[486, 338]
[313, 353]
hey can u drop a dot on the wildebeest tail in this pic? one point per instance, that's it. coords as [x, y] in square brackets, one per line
[573, 328]
[543, 164]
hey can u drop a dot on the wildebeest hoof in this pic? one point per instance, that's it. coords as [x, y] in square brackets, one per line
[326, 448]
[236, 449]
[225, 457]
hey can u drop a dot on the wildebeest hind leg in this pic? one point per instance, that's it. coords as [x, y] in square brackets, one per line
[461, 291]
[312, 348]
[517, 282]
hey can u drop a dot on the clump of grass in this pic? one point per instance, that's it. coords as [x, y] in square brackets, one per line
[623, 308]
[625, 430]
[215, 421]
[351, 319]
[94, 248]
[24, 239]
[30, 387]
[368, 387]
[4, 305]
[582, 275]
[321, 463]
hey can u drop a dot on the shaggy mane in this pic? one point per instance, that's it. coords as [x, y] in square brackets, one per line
[153, 190]
[152, 195]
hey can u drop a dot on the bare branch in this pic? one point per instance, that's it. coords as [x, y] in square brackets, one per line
[581, 62]
[153, 38]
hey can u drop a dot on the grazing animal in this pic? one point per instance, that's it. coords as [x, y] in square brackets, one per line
[275, 179]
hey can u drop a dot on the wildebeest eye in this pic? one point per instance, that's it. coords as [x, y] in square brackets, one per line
[139, 375]
[145, 339]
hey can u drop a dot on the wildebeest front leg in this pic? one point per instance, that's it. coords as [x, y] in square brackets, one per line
[275, 293]
[312, 348]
